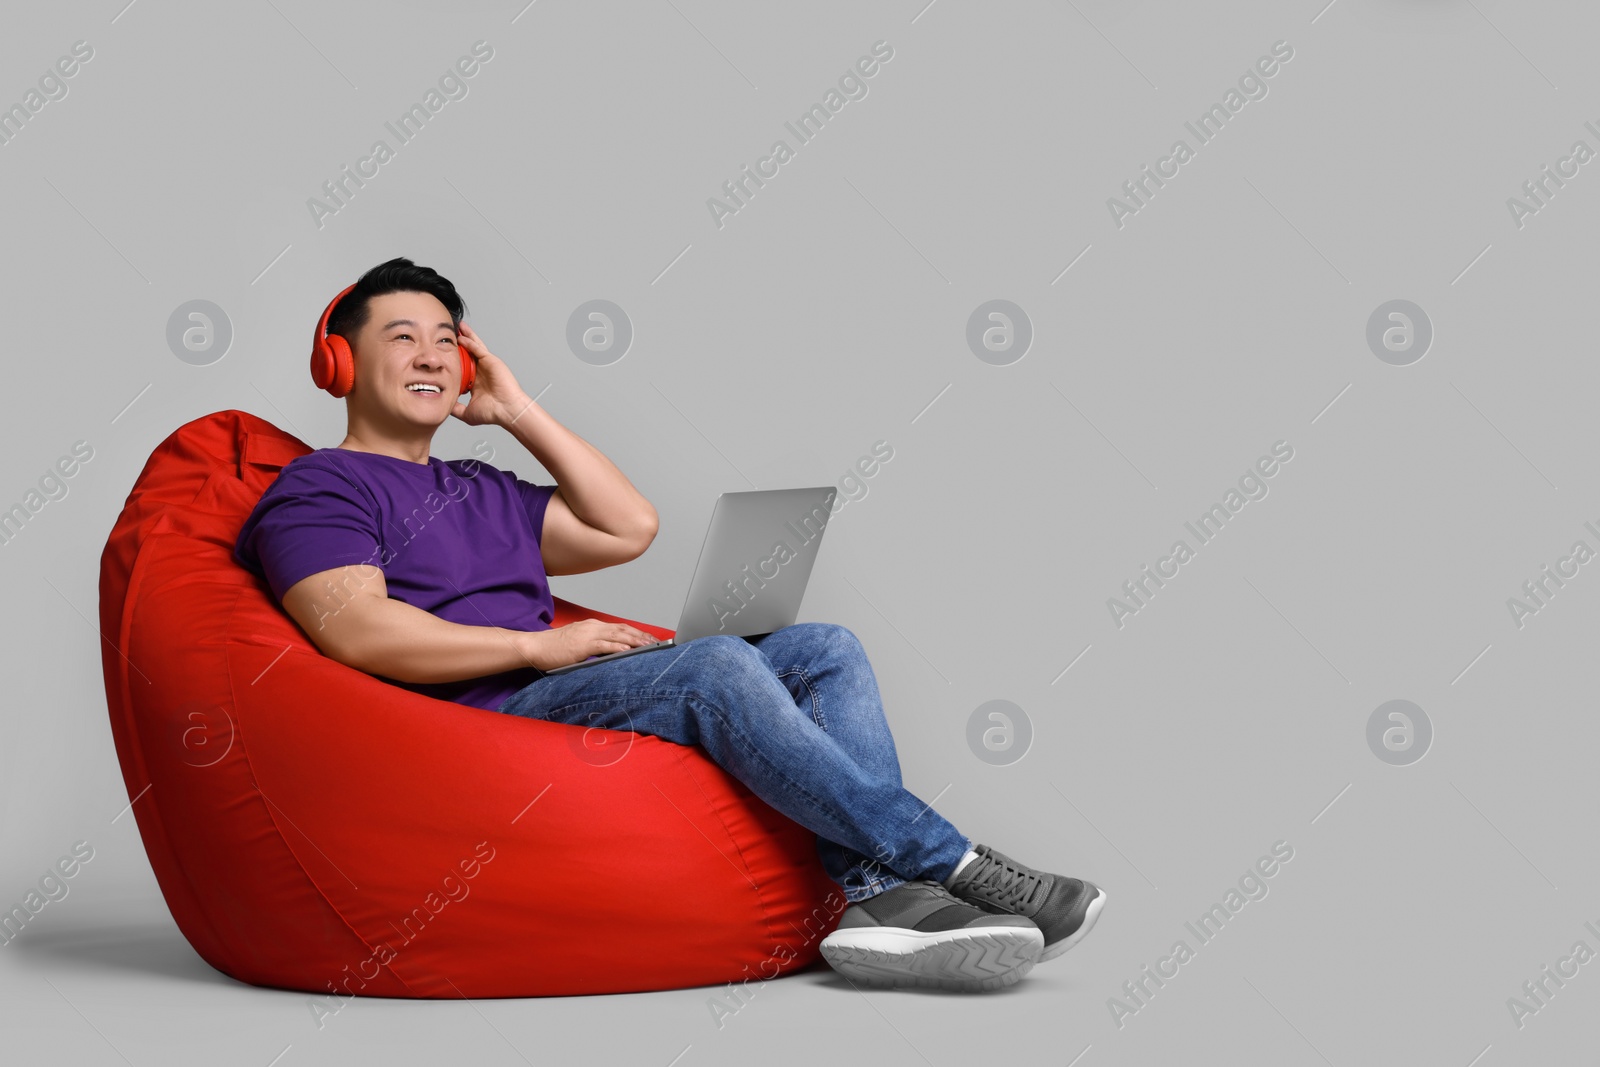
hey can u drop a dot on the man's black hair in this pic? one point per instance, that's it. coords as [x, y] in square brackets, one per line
[399, 275]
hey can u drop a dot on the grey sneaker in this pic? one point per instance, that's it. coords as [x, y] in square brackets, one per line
[1064, 908]
[919, 934]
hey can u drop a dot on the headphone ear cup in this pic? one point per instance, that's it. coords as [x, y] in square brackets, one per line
[469, 370]
[321, 365]
[343, 365]
[332, 367]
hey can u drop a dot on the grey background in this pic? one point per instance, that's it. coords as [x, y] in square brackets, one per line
[1228, 314]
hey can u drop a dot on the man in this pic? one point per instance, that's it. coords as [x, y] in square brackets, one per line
[434, 575]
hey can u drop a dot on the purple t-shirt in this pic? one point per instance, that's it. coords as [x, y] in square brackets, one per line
[457, 538]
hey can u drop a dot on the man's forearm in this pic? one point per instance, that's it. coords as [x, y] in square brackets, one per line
[593, 487]
[396, 640]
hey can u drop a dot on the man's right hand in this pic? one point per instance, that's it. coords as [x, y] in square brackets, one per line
[348, 614]
[577, 641]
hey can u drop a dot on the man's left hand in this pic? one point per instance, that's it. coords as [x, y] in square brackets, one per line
[497, 399]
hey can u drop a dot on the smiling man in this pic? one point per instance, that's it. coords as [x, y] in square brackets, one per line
[434, 575]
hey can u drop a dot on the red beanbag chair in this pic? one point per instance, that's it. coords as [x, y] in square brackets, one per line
[315, 828]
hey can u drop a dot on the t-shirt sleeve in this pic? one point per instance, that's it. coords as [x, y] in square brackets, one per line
[310, 519]
[536, 501]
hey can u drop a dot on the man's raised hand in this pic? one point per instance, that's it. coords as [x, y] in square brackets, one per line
[497, 399]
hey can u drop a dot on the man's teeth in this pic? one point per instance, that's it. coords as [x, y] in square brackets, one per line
[419, 388]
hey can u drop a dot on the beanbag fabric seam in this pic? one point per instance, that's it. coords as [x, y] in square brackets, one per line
[269, 807]
[746, 870]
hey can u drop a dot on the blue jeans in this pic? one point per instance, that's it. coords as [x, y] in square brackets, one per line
[794, 715]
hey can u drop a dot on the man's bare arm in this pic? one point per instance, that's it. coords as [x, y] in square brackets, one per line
[597, 518]
[348, 614]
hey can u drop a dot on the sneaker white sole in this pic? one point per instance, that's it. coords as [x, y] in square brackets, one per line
[967, 960]
[1090, 914]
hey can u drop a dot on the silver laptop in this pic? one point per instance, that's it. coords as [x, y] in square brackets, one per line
[752, 570]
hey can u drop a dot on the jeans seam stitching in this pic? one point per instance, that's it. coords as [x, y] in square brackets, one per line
[818, 716]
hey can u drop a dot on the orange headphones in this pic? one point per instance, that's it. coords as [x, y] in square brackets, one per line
[334, 369]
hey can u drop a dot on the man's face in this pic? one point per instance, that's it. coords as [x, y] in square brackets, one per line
[407, 344]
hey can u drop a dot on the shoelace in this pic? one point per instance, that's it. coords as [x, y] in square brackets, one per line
[1012, 886]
